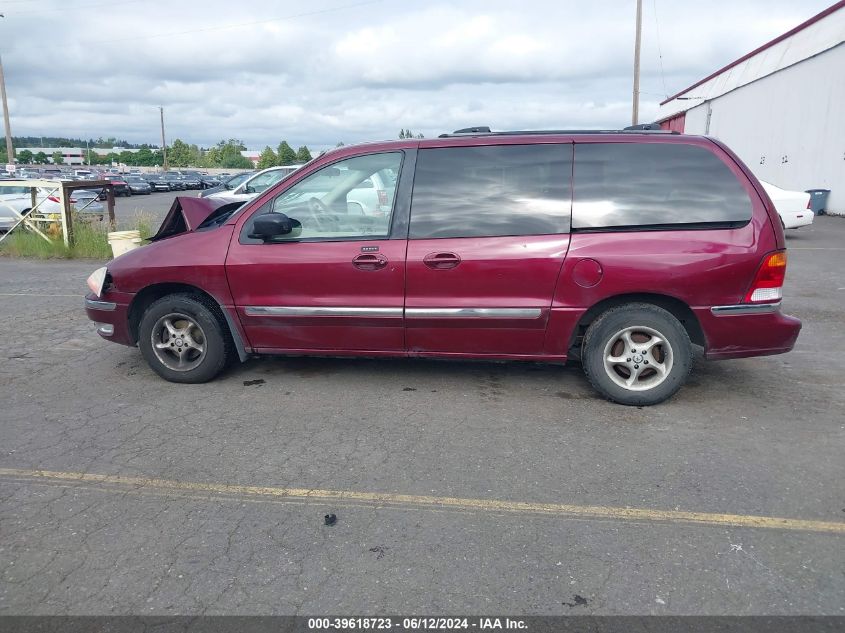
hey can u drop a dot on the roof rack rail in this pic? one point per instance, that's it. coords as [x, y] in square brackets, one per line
[473, 130]
[483, 130]
[643, 127]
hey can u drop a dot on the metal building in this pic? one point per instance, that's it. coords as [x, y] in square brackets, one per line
[781, 107]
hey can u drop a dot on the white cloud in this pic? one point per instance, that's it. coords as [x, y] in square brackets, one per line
[359, 72]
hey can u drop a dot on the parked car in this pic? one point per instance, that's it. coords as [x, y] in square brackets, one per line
[621, 249]
[257, 183]
[121, 187]
[209, 181]
[19, 200]
[229, 183]
[191, 182]
[157, 183]
[174, 181]
[138, 185]
[793, 207]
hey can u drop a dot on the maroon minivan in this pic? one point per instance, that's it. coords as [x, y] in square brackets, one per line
[621, 249]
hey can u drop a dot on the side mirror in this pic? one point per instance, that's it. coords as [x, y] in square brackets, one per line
[271, 225]
[249, 189]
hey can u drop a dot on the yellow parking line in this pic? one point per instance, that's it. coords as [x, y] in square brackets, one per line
[438, 503]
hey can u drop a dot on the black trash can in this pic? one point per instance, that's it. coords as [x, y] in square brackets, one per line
[818, 200]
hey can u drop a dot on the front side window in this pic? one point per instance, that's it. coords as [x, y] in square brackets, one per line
[347, 199]
[641, 185]
[489, 191]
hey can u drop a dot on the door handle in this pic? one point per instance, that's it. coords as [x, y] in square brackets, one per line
[369, 262]
[441, 261]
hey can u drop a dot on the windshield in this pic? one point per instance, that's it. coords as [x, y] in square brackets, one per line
[234, 181]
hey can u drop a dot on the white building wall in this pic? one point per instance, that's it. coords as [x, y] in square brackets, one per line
[788, 127]
[816, 38]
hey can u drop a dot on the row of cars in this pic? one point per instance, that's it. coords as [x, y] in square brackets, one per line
[16, 199]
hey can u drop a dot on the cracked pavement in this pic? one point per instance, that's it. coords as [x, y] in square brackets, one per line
[758, 436]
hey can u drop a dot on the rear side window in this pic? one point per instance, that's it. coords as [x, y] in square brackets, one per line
[492, 191]
[642, 185]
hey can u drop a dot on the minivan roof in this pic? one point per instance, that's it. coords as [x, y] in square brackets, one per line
[483, 130]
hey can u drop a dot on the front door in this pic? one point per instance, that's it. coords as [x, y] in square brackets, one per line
[336, 282]
[488, 235]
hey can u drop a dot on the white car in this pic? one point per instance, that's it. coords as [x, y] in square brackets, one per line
[370, 196]
[793, 207]
[19, 199]
[258, 183]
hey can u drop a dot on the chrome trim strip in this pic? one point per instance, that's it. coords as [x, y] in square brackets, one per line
[474, 313]
[419, 313]
[105, 306]
[321, 311]
[746, 308]
[105, 329]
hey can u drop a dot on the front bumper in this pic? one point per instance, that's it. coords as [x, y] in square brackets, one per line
[747, 330]
[111, 314]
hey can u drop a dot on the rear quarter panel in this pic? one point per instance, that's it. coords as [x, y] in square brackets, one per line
[701, 268]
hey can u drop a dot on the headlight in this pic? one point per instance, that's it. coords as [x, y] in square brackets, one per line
[97, 280]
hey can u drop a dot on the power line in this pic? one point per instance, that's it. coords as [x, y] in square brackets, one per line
[239, 25]
[659, 51]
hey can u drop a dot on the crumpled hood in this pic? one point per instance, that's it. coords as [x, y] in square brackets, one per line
[186, 215]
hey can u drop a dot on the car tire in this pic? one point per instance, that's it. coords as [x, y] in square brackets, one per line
[637, 354]
[182, 338]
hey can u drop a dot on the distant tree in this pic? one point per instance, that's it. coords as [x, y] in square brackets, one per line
[226, 154]
[127, 158]
[58, 158]
[303, 155]
[267, 158]
[406, 133]
[40, 158]
[25, 157]
[180, 154]
[111, 157]
[286, 154]
[340, 144]
[144, 157]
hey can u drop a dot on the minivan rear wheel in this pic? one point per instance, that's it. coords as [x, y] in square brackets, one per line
[182, 339]
[637, 354]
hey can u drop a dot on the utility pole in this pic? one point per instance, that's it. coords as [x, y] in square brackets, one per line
[636, 106]
[163, 142]
[10, 151]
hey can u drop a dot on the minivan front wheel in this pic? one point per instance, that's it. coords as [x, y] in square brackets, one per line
[637, 354]
[182, 340]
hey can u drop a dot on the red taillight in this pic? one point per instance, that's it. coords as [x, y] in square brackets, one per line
[56, 199]
[768, 282]
[382, 196]
[809, 203]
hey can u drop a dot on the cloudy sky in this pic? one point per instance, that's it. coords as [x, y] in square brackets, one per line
[317, 72]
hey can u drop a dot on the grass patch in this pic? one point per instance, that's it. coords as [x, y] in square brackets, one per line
[91, 240]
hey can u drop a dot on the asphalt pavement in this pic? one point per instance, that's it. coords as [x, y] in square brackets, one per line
[152, 208]
[458, 487]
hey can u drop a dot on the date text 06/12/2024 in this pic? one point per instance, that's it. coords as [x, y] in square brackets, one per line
[416, 624]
